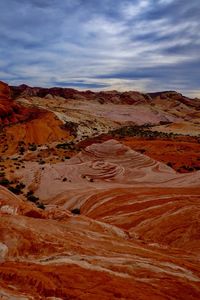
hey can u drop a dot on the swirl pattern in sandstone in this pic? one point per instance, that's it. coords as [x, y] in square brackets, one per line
[99, 166]
[137, 236]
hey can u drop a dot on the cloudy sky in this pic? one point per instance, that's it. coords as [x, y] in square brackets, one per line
[145, 45]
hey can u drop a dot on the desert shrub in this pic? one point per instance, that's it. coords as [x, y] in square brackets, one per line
[21, 150]
[142, 151]
[20, 186]
[15, 190]
[141, 131]
[169, 164]
[66, 146]
[30, 197]
[32, 147]
[29, 193]
[72, 127]
[4, 182]
[41, 205]
[197, 168]
[76, 211]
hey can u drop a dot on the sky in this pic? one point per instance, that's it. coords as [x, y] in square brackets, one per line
[144, 45]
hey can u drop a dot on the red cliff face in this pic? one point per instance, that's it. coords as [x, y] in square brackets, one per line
[10, 111]
[4, 91]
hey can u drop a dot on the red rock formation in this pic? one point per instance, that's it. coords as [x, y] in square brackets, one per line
[178, 152]
[68, 93]
[10, 112]
[39, 126]
[4, 91]
[131, 97]
[77, 257]
[43, 128]
[174, 96]
[101, 166]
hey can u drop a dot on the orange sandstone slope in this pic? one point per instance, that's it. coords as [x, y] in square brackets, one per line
[53, 254]
[26, 124]
[183, 154]
[44, 128]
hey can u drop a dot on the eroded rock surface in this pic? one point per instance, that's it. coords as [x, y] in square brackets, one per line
[105, 218]
[138, 232]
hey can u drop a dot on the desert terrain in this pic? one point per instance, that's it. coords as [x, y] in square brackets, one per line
[99, 194]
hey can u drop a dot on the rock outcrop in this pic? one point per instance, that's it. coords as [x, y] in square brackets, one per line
[6, 112]
[10, 111]
[101, 166]
[103, 97]
[27, 124]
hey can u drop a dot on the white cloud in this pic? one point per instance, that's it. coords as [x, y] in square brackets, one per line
[165, 1]
[132, 10]
[193, 93]
[78, 43]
